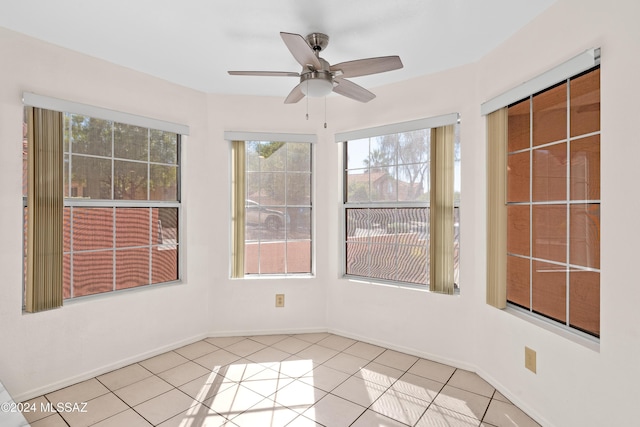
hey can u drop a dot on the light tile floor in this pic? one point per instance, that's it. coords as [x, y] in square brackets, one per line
[280, 380]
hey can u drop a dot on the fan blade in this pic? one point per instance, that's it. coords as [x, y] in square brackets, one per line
[301, 50]
[352, 90]
[265, 73]
[295, 95]
[363, 67]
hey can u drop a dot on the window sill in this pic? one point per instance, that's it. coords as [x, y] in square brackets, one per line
[584, 340]
[145, 288]
[397, 285]
[276, 276]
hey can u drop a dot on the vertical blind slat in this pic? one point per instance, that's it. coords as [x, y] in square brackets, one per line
[45, 210]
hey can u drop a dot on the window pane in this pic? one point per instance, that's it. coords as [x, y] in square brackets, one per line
[92, 228]
[298, 189]
[299, 256]
[399, 247]
[165, 228]
[299, 223]
[584, 301]
[252, 156]
[358, 154]
[549, 290]
[412, 262]
[585, 168]
[92, 273]
[456, 246]
[88, 135]
[66, 229]
[253, 186]
[25, 154]
[357, 259]
[383, 259]
[163, 182]
[585, 235]
[130, 180]
[358, 224]
[164, 147]
[518, 281]
[358, 186]
[65, 178]
[131, 142]
[273, 156]
[272, 188]
[271, 257]
[383, 151]
[519, 125]
[132, 268]
[413, 182]
[132, 227]
[518, 173]
[550, 232]
[550, 173]
[585, 103]
[299, 157]
[518, 229]
[164, 263]
[550, 115]
[412, 226]
[66, 276]
[386, 226]
[384, 184]
[90, 178]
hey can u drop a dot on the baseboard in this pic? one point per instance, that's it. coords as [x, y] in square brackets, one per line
[514, 399]
[456, 364]
[254, 332]
[51, 387]
[408, 350]
[288, 331]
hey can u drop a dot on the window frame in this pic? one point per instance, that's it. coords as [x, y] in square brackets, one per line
[343, 138]
[246, 137]
[497, 190]
[117, 117]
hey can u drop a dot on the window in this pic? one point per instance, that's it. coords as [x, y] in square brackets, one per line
[552, 233]
[401, 203]
[272, 207]
[120, 189]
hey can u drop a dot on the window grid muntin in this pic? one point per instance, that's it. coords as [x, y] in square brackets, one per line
[569, 267]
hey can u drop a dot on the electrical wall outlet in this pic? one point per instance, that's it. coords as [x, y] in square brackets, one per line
[279, 300]
[530, 359]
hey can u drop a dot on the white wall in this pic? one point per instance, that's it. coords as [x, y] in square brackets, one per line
[247, 306]
[44, 351]
[574, 386]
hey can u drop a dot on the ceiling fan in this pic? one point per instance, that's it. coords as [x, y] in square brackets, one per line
[318, 78]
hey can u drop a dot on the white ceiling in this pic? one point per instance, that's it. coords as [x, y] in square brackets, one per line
[195, 42]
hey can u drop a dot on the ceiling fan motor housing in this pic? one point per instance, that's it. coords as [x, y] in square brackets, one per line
[317, 41]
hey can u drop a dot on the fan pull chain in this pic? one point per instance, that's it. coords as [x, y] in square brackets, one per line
[325, 112]
[307, 100]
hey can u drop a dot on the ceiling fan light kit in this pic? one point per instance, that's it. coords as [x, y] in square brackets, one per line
[318, 78]
[316, 84]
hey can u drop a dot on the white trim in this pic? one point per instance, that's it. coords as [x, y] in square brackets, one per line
[40, 101]
[575, 65]
[431, 122]
[268, 136]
